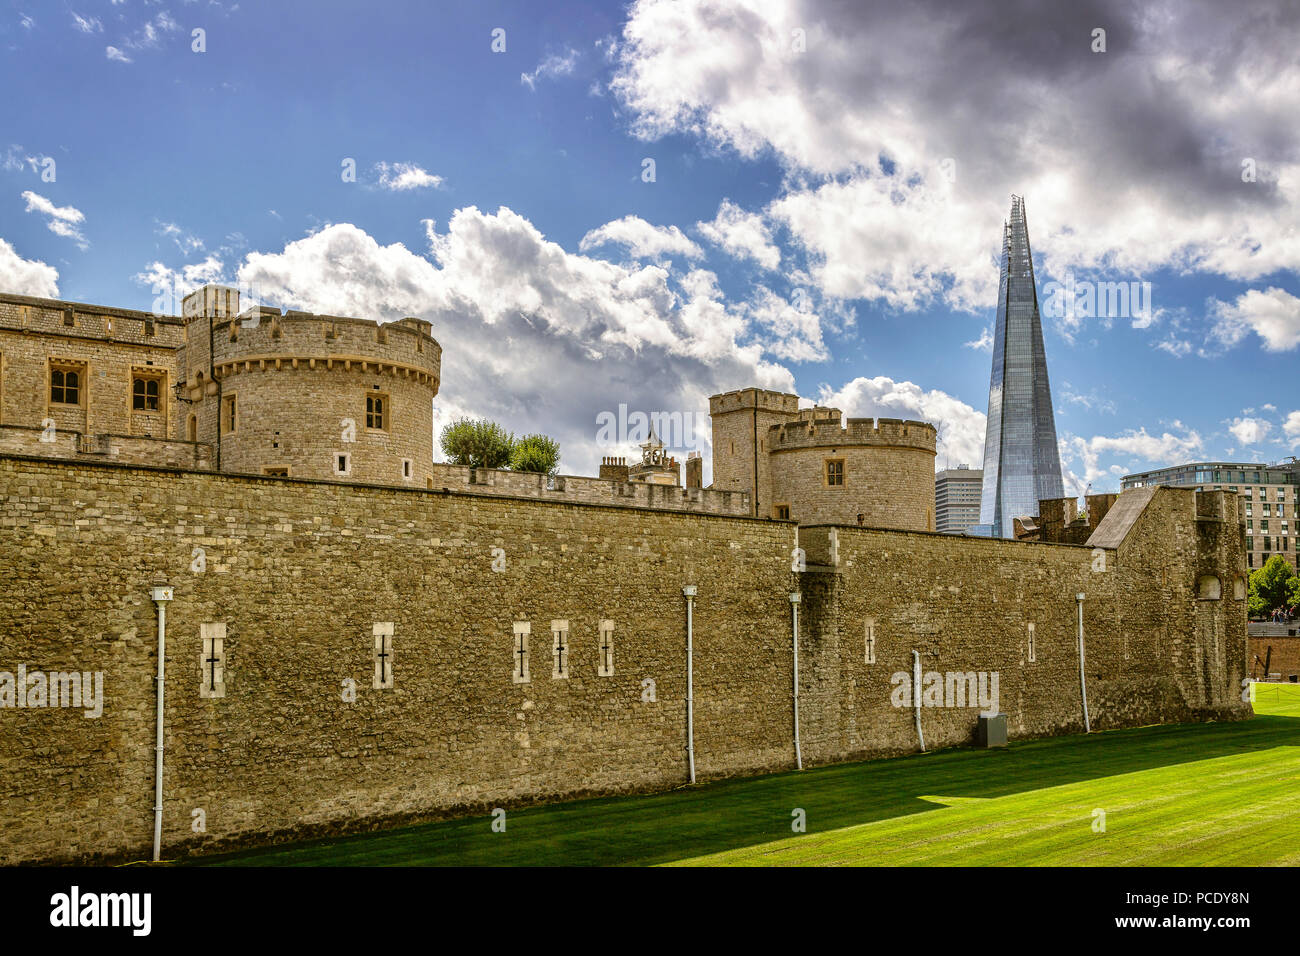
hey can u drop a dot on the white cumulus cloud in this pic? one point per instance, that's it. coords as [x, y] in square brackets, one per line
[742, 235]
[1250, 431]
[402, 176]
[1273, 315]
[641, 239]
[26, 276]
[961, 427]
[62, 220]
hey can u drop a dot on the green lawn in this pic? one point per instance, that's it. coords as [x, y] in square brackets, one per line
[1193, 794]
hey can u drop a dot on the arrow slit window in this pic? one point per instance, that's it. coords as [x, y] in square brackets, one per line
[605, 661]
[383, 655]
[522, 630]
[560, 649]
[212, 662]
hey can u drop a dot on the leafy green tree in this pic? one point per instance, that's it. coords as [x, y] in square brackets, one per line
[1293, 591]
[478, 443]
[536, 453]
[1255, 604]
[1270, 585]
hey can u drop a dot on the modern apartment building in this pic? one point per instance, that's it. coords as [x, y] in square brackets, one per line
[1268, 497]
[957, 498]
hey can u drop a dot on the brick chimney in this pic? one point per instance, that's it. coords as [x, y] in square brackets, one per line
[615, 468]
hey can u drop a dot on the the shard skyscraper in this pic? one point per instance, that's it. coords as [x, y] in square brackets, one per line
[1021, 461]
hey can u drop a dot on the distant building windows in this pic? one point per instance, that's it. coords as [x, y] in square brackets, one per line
[279, 471]
[407, 469]
[144, 393]
[870, 641]
[781, 512]
[376, 410]
[343, 464]
[834, 472]
[192, 429]
[65, 384]
[1033, 649]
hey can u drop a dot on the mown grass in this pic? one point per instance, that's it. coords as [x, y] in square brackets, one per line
[1184, 795]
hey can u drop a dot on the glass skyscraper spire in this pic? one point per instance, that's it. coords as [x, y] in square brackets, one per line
[1021, 461]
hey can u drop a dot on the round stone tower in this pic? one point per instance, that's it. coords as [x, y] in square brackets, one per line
[875, 473]
[312, 396]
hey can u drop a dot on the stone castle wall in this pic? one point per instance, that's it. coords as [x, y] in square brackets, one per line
[888, 470]
[295, 379]
[584, 490]
[1155, 652]
[104, 346]
[741, 421]
[886, 485]
[300, 573]
[125, 449]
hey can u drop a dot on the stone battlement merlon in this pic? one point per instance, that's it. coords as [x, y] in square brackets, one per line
[820, 413]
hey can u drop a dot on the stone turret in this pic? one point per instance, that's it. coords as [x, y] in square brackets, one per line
[312, 396]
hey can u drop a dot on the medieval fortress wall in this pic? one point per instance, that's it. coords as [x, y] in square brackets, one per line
[383, 637]
[298, 578]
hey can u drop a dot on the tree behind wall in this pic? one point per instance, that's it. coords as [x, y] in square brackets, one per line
[477, 443]
[1271, 586]
[536, 453]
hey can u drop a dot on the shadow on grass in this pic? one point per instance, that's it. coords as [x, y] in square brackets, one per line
[728, 814]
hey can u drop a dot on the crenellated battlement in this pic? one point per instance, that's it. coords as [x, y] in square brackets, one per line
[758, 398]
[84, 321]
[818, 427]
[265, 339]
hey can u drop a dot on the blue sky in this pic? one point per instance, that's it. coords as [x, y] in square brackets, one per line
[825, 211]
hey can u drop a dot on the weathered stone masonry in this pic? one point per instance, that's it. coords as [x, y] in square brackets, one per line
[301, 571]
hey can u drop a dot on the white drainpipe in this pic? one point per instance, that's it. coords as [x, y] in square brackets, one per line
[1083, 680]
[160, 595]
[916, 696]
[794, 606]
[690, 592]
